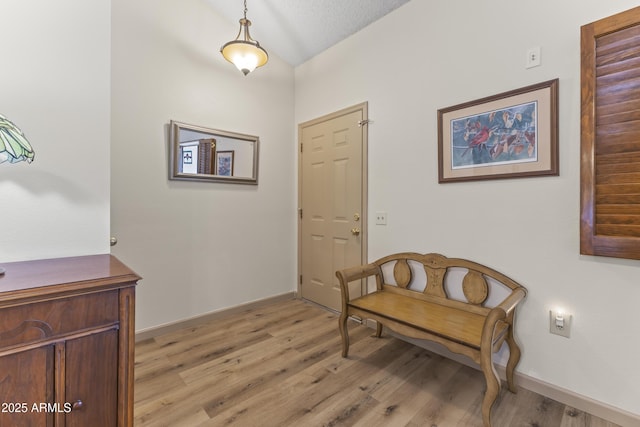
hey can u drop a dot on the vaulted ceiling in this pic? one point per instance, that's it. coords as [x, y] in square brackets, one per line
[297, 30]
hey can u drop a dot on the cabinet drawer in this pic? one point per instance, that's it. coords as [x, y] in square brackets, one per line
[44, 320]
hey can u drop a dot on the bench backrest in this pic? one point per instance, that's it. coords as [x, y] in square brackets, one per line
[448, 278]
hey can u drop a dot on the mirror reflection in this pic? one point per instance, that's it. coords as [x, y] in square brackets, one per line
[202, 154]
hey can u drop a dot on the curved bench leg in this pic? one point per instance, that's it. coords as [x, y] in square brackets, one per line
[514, 358]
[493, 386]
[378, 329]
[342, 324]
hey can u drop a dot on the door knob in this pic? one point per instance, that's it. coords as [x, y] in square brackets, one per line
[355, 231]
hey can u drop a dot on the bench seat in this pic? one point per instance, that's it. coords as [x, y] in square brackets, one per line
[461, 326]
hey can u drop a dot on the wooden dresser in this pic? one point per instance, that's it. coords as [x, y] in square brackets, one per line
[67, 342]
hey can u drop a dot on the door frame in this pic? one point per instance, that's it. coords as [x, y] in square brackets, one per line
[364, 215]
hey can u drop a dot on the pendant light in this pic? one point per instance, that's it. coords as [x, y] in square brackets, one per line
[244, 52]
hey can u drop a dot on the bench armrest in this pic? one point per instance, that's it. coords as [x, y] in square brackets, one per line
[502, 311]
[356, 273]
[512, 300]
[359, 272]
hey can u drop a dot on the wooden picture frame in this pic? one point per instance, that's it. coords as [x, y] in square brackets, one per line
[224, 162]
[510, 135]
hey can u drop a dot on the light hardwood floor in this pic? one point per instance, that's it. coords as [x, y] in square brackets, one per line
[280, 365]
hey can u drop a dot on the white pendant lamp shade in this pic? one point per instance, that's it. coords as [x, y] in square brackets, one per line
[244, 52]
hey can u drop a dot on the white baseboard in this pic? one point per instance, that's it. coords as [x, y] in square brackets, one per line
[564, 396]
[145, 334]
[575, 400]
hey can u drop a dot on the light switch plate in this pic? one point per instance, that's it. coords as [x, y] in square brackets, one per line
[533, 57]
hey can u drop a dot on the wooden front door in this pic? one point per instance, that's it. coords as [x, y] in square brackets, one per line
[332, 184]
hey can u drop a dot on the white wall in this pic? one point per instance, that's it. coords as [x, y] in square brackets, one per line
[55, 87]
[199, 246]
[186, 238]
[431, 55]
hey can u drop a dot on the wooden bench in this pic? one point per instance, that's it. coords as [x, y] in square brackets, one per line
[465, 306]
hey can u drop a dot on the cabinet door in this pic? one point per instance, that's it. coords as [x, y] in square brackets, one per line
[26, 386]
[91, 383]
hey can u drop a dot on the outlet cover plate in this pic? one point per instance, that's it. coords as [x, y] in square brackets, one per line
[554, 328]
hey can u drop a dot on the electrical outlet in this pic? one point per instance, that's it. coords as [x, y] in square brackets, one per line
[560, 323]
[533, 57]
[381, 218]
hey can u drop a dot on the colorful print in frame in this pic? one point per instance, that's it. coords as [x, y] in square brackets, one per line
[224, 163]
[513, 134]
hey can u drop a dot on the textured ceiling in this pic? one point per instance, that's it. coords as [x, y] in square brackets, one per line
[297, 30]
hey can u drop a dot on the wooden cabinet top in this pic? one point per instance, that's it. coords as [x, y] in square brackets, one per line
[59, 277]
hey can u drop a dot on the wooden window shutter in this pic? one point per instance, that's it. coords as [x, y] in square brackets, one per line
[610, 136]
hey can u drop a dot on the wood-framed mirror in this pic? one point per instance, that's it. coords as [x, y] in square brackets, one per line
[198, 153]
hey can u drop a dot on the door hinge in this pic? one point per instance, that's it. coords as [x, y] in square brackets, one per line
[301, 147]
[300, 212]
[301, 279]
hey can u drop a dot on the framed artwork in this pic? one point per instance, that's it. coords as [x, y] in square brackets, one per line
[509, 135]
[187, 156]
[224, 163]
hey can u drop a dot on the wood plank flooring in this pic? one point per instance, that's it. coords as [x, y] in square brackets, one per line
[280, 365]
